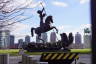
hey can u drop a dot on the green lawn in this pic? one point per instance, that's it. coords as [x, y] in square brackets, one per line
[10, 51]
[81, 50]
[15, 51]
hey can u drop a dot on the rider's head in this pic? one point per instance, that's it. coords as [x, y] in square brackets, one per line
[39, 11]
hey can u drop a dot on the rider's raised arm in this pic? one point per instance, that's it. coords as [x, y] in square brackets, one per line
[43, 13]
[42, 10]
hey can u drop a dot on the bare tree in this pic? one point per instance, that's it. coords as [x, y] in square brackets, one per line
[11, 11]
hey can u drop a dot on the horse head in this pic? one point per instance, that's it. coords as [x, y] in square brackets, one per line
[49, 20]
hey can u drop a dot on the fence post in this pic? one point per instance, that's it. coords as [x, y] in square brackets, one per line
[26, 59]
[4, 58]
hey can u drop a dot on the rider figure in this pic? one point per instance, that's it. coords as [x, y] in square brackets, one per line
[44, 26]
[41, 15]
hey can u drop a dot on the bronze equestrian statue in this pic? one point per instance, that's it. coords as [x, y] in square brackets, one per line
[44, 26]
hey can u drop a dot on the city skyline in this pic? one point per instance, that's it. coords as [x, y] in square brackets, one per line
[53, 35]
[77, 38]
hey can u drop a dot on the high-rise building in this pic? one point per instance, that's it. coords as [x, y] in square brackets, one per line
[20, 42]
[87, 41]
[78, 39]
[12, 39]
[37, 40]
[27, 39]
[44, 37]
[87, 38]
[53, 37]
[4, 38]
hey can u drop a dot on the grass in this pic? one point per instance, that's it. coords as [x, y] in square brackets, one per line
[9, 51]
[84, 51]
[14, 52]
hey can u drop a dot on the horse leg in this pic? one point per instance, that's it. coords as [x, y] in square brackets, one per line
[32, 31]
[40, 38]
[55, 28]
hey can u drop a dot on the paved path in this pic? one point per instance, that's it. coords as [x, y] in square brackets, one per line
[14, 59]
[85, 58]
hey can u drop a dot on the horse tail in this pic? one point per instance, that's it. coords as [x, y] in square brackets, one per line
[32, 31]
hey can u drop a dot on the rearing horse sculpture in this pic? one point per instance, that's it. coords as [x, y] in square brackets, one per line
[44, 28]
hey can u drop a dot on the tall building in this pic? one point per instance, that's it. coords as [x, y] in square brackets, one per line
[53, 37]
[87, 38]
[20, 42]
[37, 40]
[4, 38]
[44, 37]
[12, 39]
[78, 39]
[87, 41]
[27, 39]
